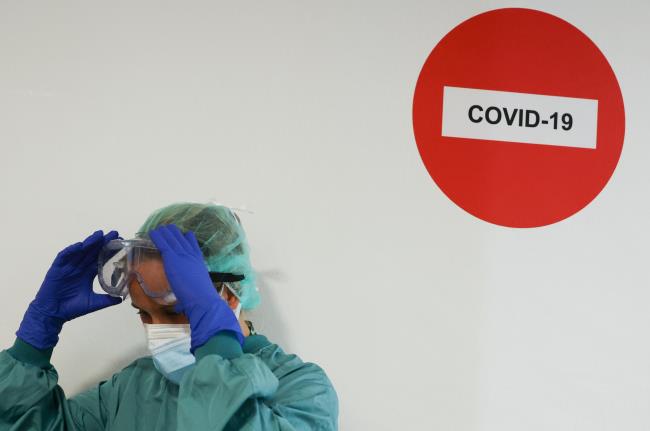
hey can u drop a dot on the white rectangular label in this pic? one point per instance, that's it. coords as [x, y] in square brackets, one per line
[519, 117]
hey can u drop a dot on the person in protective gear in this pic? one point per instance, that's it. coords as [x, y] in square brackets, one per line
[188, 273]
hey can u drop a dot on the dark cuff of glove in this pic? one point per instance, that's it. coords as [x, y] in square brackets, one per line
[225, 344]
[24, 352]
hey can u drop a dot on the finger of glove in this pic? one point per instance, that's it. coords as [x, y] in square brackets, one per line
[98, 301]
[89, 243]
[89, 255]
[186, 246]
[159, 239]
[97, 236]
[73, 253]
[167, 231]
[191, 239]
[67, 254]
[111, 236]
[92, 254]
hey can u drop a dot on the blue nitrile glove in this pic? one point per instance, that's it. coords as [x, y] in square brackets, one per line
[66, 292]
[190, 281]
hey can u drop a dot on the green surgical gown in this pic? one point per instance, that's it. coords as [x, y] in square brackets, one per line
[258, 387]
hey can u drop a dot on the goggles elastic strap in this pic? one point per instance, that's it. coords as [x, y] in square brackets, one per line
[225, 277]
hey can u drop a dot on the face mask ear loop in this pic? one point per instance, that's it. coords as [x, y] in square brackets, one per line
[237, 310]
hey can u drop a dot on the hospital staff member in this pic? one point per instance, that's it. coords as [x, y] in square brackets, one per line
[188, 273]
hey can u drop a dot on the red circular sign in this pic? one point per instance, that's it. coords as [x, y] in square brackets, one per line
[518, 117]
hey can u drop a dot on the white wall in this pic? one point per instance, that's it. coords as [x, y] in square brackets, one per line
[424, 317]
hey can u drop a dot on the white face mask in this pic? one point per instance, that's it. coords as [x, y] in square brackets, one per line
[169, 345]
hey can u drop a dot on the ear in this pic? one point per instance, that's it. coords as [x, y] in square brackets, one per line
[231, 299]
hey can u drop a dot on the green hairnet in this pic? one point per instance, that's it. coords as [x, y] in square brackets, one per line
[221, 238]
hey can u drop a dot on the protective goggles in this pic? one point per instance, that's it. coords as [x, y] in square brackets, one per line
[122, 260]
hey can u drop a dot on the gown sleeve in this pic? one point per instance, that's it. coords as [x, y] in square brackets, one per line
[257, 388]
[30, 397]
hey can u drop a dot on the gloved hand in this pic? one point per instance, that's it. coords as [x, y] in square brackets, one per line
[66, 292]
[190, 281]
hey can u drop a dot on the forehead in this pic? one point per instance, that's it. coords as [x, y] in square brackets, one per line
[152, 306]
[149, 264]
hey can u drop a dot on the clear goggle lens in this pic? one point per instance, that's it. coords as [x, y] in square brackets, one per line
[120, 261]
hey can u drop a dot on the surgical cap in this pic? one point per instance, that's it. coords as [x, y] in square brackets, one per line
[221, 238]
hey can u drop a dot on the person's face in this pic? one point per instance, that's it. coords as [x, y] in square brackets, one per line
[150, 311]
